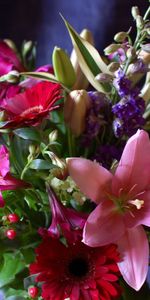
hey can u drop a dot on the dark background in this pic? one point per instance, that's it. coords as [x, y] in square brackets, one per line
[39, 20]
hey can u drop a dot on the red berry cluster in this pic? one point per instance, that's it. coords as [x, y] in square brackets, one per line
[11, 219]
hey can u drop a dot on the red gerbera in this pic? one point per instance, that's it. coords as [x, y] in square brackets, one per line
[31, 106]
[77, 272]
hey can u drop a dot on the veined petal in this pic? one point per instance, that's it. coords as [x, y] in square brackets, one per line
[92, 179]
[134, 166]
[133, 247]
[103, 226]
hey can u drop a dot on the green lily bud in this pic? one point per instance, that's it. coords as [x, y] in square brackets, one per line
[11, 44]
[135, 12]
[113, 67]
[63, 68]
[53, 136]
[75, 109]
[140, 22]
[27, 47]
[81, 80]
[111, 48]
[120, 37]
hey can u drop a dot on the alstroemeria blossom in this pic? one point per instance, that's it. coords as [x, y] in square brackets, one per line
[123, 206]
[7, 182]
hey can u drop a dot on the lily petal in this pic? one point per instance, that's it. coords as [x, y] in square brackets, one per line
[139, 216]
[92, 179]
[4, 161]
[2, 202]
[133, 247]
[103, 226]
[134, 166]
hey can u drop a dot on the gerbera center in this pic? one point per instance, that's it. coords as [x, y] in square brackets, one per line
[34, 109]
[78, 267]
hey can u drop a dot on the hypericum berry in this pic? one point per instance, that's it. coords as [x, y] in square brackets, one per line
[13, 218]
[33, 292]
[11, 234]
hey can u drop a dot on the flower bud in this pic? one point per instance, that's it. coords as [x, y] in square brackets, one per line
[53, 136]
[135, 12]
[81, 80]
[120, 37]
[139, 22]
[75, 108]
[111, 48]
[113, 67]
[145, 55]
[131, 53]
[63, 68]
[11, 44]
[103, 77]
[27, 47]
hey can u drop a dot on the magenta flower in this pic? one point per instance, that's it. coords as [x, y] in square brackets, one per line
[123, 206]
[7, 182]
[65, 221]
[8, 60]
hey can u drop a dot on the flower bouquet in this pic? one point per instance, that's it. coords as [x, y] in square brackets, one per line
[75, 169]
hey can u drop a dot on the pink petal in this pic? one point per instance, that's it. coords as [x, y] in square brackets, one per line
[103, 226]
[139, 216]
[4, 161]
[134, 166]
[134, 248]
[92, 179]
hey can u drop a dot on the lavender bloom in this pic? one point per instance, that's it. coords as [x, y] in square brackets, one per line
[96, 117]
[121, 83]
[129, 111]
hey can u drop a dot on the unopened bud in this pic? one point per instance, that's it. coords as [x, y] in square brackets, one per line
[27, 47]
[33, 149]
[11, 44]
[113, 67]
[12, 77]
[111, 48]
[75, 109]
[81, 80]
[60, 173]
[145, 55]
[139, 22]
[103, 77]
[53, 136]
[131, 53]
[120, 37]
[135, 12]
[63, 68]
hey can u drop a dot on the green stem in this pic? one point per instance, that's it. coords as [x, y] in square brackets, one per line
[146, 14]
[25, 169]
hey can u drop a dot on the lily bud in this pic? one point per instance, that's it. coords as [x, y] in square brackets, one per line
[131, 53]
[139, 22]
[11, 44]
[81, 80]
[63, 68]
[135, 12]
[120, 37]
[111, 48]
[75, 108]
[53, 136]
[27, 47]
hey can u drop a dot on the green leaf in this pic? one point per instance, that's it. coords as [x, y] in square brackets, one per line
[41, 75]
[27, 134]
[40, 164]
[89, 59]
[11, 265]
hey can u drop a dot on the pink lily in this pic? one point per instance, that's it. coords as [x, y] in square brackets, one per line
[65, 221]
[7, 182]
[123, 206]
